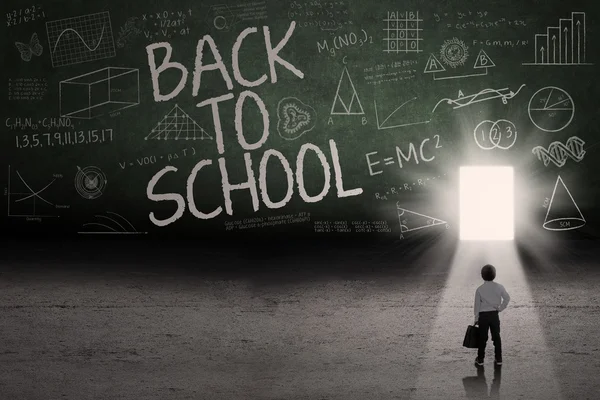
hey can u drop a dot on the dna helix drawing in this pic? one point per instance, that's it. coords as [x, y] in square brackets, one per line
[559, 153]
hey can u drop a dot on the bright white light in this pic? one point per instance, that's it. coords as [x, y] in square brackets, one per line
[486, 203]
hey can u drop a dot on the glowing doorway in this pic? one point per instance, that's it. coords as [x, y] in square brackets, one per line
[486, 203]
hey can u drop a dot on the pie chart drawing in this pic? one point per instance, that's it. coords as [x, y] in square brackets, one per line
[551, 109]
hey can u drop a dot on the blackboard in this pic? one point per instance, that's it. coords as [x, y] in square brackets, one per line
[366, 109]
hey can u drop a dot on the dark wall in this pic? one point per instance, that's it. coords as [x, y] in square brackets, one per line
[85, 131]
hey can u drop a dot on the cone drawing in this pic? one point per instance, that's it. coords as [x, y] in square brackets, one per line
[563, 213]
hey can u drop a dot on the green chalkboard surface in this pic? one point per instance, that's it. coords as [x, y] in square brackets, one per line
[192, 119]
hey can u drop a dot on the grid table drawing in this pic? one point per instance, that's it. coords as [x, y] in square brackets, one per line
[403, 32]
[80, 39]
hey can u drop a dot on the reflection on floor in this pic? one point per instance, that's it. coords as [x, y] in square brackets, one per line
[321, 322]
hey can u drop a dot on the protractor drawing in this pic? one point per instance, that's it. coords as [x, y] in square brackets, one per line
[412, 221]
[90, 182]
[551, 109]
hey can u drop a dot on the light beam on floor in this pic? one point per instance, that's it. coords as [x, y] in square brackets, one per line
[528, 370]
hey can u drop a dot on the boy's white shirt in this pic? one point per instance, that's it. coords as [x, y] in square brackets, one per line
[490, 296]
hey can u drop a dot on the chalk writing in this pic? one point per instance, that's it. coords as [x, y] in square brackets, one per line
[394, 76]
[224, 17]
[371, 226]
[325, 15]
[412, 153]
[166, 23]
[437, 17]
[153, 159]
[68, 138]
[21, 16]
[342, 226]
[546, 202]
[500, 43]
[252, 185]
[262, 222]
[461, 20]
[347, 40]
[27, 89]
[420, 183]
[390, 72]
[27, 123]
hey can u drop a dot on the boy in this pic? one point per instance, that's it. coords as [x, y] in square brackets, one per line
[491, 298]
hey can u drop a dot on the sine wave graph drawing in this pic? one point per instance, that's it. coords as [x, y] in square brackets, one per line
[461, 101]
[111, 223]
[80, 39]
[25, 201]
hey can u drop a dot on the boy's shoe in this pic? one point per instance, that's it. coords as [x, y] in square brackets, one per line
[498, 361]
[478, 361]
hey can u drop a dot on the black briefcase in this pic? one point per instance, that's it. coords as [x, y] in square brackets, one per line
[471, 337]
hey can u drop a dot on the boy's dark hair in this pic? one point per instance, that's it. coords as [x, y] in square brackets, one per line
[488, 272]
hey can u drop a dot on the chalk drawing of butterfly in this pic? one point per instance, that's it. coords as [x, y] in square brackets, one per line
[34, 47]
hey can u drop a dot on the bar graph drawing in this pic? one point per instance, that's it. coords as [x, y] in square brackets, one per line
[562, 44]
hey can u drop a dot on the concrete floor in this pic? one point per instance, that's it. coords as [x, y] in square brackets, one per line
[337, 326]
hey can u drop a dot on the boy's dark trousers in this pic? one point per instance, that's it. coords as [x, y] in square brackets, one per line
[489, 320]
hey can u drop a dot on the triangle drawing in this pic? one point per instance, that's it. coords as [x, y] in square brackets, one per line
[483, 60]
[433, 65]
[563, 213]
[177, 125]
[412, 221]
[346, 101]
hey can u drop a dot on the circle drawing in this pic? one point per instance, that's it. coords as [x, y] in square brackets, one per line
[220, 22]
[90, 182]
[501, 134]
[454, 52]
[551, 109]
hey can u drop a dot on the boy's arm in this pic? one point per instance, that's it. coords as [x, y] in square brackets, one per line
[477, 304]
[505, 299]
